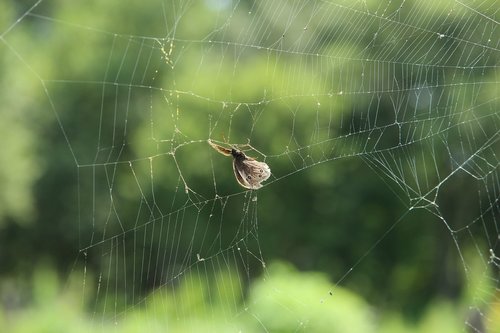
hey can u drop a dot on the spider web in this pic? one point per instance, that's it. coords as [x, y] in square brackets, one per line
[345, 101]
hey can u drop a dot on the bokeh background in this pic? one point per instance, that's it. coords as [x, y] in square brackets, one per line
[379, 120]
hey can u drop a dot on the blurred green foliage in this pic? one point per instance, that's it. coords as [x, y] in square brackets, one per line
[289, 301]
[105, 119]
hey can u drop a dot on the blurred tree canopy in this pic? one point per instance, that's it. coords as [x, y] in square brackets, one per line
[107, 106]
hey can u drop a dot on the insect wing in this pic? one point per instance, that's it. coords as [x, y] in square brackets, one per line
[251, 173]
[248, 172]
[259, 171]
[241, 174]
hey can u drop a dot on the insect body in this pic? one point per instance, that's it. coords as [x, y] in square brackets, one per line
[249, 172]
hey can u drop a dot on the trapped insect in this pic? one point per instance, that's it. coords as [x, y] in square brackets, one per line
[249, 172]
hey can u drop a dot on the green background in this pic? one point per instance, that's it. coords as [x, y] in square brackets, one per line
[379, 121]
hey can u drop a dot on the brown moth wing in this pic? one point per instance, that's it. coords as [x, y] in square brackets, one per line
[259, 171]
[240, 174]
[250, 173]
[220, 149]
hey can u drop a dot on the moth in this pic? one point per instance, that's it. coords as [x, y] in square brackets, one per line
[249, 172]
